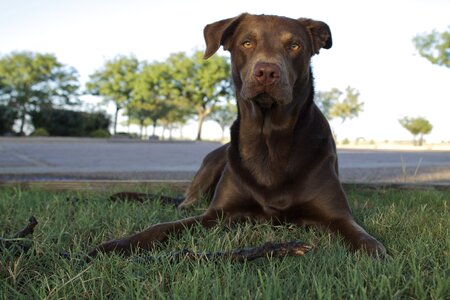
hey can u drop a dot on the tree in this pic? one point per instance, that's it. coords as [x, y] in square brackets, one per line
[349, 107]
[115, 82]
[7, 117]
[224, 115]
[333, 106]
[177, 114]
[416, 126]
[31, 81]
[326, 100]
[434, 46]
[201, 83]
[150, 98]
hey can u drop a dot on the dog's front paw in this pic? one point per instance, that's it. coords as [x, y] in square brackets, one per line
[372, 247]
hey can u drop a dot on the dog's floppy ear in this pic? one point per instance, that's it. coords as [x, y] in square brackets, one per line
[217, 33]
[319, 33]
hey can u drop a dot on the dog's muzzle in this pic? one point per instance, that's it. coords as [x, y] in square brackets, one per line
[264, 100]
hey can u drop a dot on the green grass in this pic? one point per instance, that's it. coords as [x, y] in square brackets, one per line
[413, 225]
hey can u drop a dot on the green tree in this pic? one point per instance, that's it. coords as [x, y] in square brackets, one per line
[224, 115]
[31, 81]
[201, 83]
[178, 114]
[349, 107]
[418, 126]
[151, 95]
[326, 100]
[434, 46]
[334, 106]
[115, 82]
[7, 117]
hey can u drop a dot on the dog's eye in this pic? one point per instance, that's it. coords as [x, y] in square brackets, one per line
[294, 47]
[247, 44]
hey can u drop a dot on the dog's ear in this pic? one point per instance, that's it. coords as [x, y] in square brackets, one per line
[217, 33]
[319, 33]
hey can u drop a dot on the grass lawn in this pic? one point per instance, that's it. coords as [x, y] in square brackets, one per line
[413, 225]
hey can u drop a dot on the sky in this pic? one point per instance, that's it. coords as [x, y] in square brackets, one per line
[372, 48]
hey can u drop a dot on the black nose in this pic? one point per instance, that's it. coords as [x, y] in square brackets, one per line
[266, 73]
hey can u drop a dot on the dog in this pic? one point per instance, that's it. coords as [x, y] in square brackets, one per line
[281, 163]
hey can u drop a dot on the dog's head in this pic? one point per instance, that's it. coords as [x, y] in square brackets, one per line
[270, 55]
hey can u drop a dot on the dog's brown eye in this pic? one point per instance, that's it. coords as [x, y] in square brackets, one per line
[247, 44]
[295, 47]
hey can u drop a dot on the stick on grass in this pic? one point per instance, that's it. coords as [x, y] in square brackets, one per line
[16, 240]
[294, 248]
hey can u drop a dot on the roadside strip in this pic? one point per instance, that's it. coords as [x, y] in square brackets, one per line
[178, 186]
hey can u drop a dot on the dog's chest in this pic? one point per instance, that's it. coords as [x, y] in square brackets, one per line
[266, 162]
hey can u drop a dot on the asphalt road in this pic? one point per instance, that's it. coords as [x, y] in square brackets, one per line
[68, 159]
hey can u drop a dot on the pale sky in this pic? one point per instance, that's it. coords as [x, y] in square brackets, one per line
[372, 49]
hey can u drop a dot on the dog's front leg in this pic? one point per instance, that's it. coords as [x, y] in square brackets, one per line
[152, 236]
[356, 237]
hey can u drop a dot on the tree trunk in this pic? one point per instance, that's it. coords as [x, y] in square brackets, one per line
[170, 131]
[115, 119]
[163, 132]
[421, 140]
[181, 132]
[154, 127]
[141, 128]
[223, 132]
[22, 121]
[201, 119]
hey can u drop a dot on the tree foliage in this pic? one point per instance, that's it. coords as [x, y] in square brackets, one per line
[334, 106]
[115, 82]
[418, 126]
[202, 83]
[326, 100]
[31, 81]
[7, 117]
[168, 92]
[224, 115]
[434, 46]
[149, 100]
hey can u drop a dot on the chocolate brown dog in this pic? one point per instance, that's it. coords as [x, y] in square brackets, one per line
[281, 163]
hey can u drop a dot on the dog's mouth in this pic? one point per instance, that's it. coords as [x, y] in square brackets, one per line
[264, 100]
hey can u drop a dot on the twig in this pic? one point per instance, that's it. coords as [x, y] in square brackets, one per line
[27, 230]
[294, 248]
[141, 197]
[17, 239]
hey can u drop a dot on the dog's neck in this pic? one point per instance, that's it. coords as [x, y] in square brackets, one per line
[261, 136]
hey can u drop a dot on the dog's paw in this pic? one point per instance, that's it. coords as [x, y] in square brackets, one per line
[372, 247]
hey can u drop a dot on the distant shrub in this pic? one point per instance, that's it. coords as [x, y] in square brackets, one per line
[40, 132]
[62, 122]
[121, 133]
[130, 135]
[100, 133]
[96, 121]
[8, 116]
[345, 141]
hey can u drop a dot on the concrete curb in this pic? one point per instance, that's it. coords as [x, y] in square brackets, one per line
[180, 186]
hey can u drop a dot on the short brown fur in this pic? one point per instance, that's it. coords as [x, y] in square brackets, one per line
[281, 163]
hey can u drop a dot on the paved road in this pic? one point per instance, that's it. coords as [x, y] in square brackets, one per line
[50, 159]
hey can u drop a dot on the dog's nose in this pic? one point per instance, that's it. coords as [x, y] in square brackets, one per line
[266, 73]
